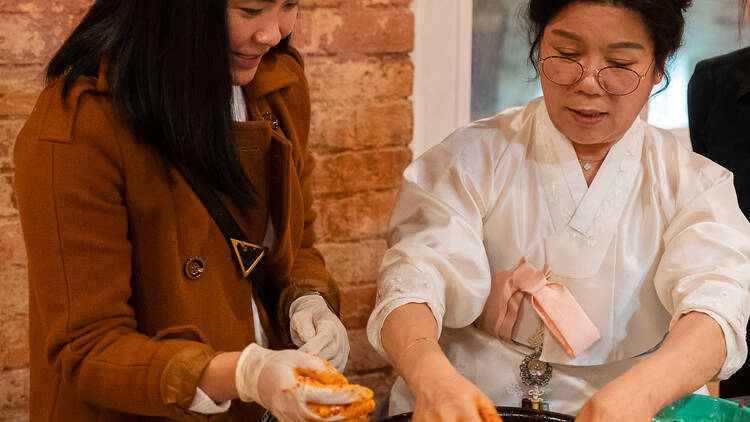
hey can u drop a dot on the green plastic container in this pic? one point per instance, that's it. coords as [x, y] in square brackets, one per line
[698, 408]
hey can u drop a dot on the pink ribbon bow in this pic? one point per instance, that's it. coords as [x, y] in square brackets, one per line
[552, 301]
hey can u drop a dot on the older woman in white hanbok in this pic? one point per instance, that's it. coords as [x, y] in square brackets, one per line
[567, 235]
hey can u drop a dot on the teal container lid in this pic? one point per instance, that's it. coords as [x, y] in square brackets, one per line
[699, 408]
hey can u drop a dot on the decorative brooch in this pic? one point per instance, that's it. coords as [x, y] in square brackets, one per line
[535, 373]
[271, 118]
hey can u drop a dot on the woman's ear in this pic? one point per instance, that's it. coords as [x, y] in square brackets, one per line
[658, 76]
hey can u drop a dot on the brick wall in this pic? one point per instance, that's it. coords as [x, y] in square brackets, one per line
[361, 79]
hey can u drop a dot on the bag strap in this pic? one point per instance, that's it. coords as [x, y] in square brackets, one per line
[248, 255]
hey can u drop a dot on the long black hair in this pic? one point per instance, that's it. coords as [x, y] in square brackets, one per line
[170, 80]
[664, 19]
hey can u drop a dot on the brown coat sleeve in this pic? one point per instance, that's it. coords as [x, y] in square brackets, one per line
[70, 191]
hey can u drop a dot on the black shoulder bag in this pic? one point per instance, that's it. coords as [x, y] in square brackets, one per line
[248, 255]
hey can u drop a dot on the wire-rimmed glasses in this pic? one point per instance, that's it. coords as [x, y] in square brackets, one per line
[615, 80]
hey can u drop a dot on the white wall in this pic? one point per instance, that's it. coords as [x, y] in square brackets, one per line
[442, 70]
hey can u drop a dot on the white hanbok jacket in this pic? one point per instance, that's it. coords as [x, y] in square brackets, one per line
[656, 235]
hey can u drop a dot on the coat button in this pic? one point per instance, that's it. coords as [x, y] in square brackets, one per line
[194, 267]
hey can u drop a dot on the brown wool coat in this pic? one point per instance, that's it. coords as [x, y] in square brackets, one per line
[117, 329]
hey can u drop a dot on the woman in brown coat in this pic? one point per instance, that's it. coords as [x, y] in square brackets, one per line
[134, 290]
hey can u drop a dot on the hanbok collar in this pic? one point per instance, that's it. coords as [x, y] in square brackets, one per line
[585, 216]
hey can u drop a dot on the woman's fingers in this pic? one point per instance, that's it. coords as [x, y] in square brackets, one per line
[326, 344]
[447, 396]
[339, 403]
[303, 326]
[487, 411]
[466, 412]
[314, 345]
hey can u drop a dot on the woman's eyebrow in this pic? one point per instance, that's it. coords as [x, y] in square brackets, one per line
[251, 1]
[574, 37]
[626, 44]
[566, 34]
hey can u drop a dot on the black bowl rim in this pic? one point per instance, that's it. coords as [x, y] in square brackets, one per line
[500, 409]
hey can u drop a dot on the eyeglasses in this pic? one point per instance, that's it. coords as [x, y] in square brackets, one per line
[615, 80]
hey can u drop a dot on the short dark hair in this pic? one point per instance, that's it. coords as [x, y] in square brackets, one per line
[664, 19]
[170, 80]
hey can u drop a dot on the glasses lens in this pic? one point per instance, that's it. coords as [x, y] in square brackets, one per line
[618, 80]
[562, 71]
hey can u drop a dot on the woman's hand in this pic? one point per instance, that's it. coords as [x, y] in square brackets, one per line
[446, 396]
[318, 331]
[617, 402]
[442, 394]
[692, 353]
[269, 378]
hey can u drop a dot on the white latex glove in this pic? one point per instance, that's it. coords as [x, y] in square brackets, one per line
[267, 377]
[318, 331]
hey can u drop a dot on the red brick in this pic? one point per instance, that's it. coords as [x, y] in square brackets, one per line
[315, 29]
[17, 103]
[356, 30]
[34, 34]
[19, 414]
[386, 2]
[385, 123]
[372, 124]
[313, 3]
[36, 7]
[15, 292]
[361, 216]
[24, 41]
[356, 305]
[354, 263]
[360, 170]
[340, 79]
[12, 250]
[8, 205]
[19, 88]
[362, 357]
[14, 387]
[9, 129]
[333, 126]
[14, 341]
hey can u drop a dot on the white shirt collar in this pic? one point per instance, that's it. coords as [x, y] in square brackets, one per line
[239, 108]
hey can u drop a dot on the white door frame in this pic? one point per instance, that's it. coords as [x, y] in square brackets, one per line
[442, 70]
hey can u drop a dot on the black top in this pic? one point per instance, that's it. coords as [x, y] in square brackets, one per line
[719, 112]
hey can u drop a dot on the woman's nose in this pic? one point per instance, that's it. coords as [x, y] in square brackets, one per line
[269, 33]
[589, 82]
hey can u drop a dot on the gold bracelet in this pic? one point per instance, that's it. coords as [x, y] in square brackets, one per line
[410, 345]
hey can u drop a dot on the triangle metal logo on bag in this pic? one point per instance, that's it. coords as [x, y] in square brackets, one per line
[248, 255]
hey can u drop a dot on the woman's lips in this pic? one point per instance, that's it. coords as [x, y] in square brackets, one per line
[246, 62]
[587, 117]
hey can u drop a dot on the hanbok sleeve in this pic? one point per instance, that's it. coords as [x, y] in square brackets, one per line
[436, 253]
[706, 265]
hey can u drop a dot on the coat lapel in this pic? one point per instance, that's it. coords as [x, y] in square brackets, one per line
[273, 75]
[280, 192]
